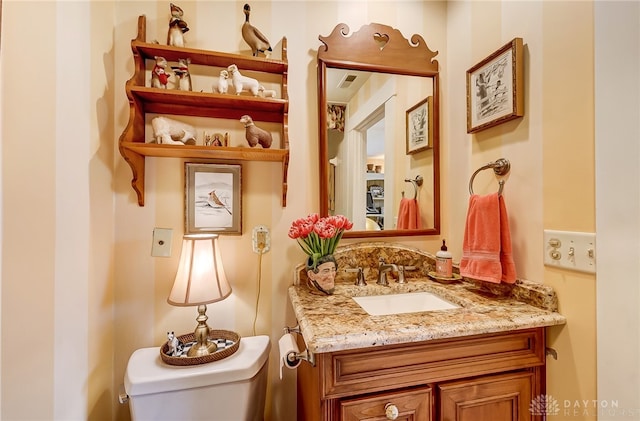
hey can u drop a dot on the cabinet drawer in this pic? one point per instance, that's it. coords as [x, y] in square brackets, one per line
[356, 371]
[414, 404]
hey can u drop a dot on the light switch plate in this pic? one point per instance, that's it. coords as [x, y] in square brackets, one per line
[570, 250]
[161, 246]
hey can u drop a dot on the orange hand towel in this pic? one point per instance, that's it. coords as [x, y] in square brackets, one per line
[486, 250]
[408, 215]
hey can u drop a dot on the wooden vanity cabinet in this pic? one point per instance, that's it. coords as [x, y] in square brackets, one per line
[491, 377]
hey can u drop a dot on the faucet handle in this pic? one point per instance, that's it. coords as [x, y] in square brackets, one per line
[359, 277]
[401, 269]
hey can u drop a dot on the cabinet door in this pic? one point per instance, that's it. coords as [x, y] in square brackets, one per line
[411, 405]
[490, 398]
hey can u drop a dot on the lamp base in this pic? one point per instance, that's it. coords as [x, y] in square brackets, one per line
[202, 346]
[200, 350]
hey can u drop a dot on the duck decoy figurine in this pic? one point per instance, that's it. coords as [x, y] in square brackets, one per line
[252, 36]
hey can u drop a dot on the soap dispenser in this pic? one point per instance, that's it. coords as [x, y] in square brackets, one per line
[444, 262]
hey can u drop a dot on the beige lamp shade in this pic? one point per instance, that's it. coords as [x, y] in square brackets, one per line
[200, 278]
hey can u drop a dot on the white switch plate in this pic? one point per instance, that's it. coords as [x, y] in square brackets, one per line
[570, 250]
[161, 246]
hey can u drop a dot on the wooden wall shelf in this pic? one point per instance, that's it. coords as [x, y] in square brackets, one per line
[144, 99]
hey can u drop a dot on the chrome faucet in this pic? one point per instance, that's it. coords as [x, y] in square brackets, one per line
[383, 268]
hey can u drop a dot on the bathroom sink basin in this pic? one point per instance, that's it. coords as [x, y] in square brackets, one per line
[414, 302]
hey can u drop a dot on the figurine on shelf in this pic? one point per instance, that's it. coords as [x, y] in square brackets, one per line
[177, 27]
[223, 82]
[266, 93]
[172, 132]
[243, 83]
[176, 347]
[255, 134]
[183, 75]
[159, 75]
[216, 140]
[252, 36]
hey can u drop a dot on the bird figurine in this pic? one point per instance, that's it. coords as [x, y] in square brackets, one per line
[252, 36]
[255, 134]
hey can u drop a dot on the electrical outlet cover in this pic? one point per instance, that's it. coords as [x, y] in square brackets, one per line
[260, 233]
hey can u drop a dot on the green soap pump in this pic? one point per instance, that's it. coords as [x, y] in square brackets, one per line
[444, 262]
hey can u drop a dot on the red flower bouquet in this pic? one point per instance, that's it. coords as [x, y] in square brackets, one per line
[319, 236]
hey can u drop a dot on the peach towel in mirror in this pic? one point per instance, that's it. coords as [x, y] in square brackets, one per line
[409, 215]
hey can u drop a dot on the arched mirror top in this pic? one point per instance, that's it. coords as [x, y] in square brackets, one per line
[378, 49]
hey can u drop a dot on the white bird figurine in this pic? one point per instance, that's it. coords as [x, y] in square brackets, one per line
[252, 36]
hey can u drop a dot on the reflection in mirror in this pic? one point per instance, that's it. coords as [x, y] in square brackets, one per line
[379, 132]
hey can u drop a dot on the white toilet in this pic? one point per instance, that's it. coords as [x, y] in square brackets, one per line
[231, 389]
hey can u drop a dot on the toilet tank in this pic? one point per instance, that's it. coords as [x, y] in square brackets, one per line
[231, 389]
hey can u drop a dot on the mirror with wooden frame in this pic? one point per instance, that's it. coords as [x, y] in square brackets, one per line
[379, 128]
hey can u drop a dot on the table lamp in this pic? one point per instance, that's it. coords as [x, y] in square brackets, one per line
[200, 280]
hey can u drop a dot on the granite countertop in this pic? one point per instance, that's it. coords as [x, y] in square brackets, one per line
[337, 322]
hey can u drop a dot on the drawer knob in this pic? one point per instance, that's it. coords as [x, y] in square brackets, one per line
[391, 411]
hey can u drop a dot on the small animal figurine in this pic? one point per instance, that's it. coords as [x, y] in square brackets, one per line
[242, 83]
[266, 93]
[223, 82]
[172, 132]
[159, 74]
[252, 36]
[183, 75]
[255, 134]
[177, 27]
[176, 347]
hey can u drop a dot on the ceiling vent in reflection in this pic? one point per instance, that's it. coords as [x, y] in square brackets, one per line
[346, 81]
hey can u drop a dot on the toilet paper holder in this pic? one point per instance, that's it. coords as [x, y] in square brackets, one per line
[305, 355]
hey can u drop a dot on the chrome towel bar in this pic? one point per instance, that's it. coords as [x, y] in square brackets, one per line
[417, 182]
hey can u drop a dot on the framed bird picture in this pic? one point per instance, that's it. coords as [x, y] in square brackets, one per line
[213, 198]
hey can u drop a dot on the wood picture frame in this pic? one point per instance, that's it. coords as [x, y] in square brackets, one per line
[419, 121]
[213, 198]
[495, 91]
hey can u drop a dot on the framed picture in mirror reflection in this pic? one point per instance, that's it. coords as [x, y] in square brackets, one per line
[419, 122]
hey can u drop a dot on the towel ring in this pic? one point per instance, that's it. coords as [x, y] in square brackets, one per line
[417, 182]
[500, 167]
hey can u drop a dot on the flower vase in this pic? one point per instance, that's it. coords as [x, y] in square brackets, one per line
[321, 274]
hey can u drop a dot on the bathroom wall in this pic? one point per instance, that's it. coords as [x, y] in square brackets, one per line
[551, 149]
[100, 295]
